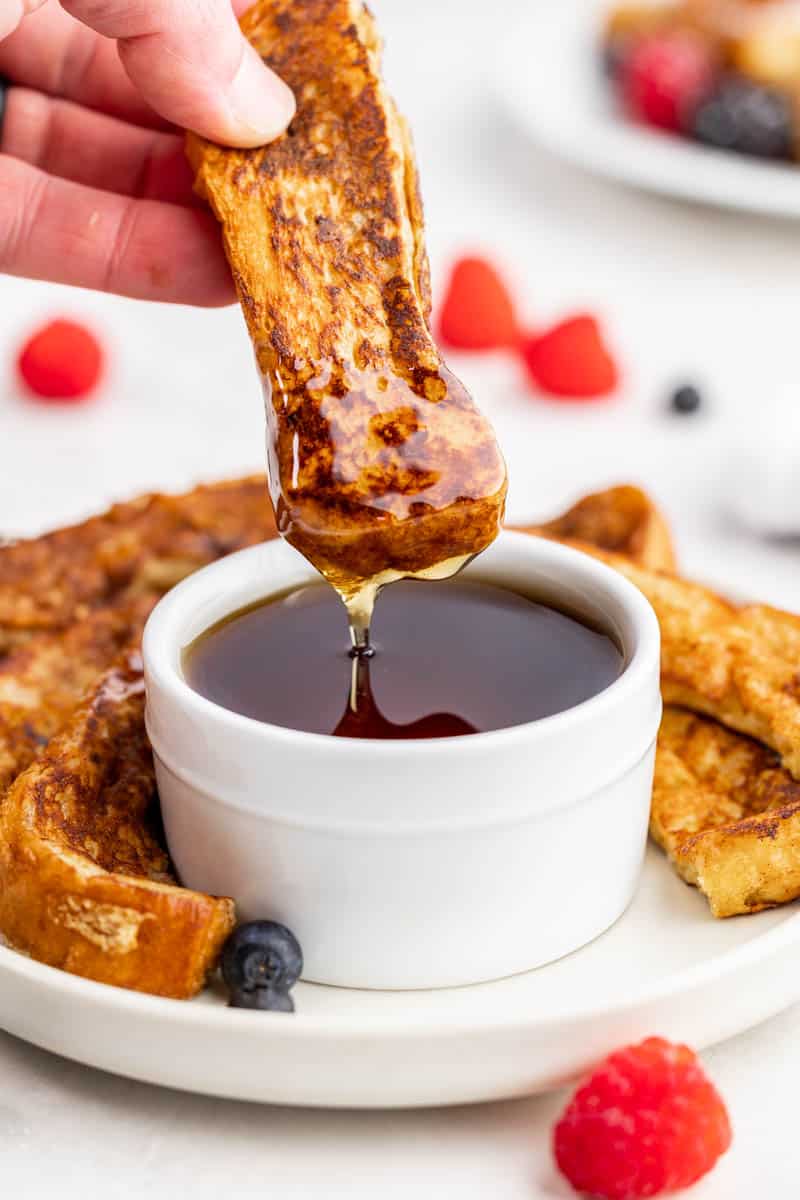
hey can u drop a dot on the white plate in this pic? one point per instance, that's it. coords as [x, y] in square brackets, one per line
[550, 77]
[667, 967]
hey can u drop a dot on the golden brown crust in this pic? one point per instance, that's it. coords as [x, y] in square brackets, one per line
[623, 520]
[740, 665]
[725, 808]
[143, 545]
[42, 680]
[84, 882]
[727, 814]
[72, 599]
[379, 460]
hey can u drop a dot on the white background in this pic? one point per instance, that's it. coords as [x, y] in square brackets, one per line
[686, 293]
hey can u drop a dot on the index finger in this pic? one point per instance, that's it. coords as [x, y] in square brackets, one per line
[54, 53]
[191, 62]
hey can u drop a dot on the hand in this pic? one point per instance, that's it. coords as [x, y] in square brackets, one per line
[94, 187]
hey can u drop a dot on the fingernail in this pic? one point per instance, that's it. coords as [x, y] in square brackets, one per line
[261, 104]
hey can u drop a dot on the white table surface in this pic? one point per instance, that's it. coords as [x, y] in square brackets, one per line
[687, 293]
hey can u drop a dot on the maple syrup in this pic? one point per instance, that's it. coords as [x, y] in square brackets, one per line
[446, 659]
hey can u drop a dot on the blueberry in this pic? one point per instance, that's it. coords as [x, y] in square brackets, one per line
[261, 961]
[267, 999]
[746, 117]
[685, 399]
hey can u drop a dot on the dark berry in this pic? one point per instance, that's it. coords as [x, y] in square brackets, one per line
[267, 999]
[261, 961]
[747, 118]
[666, 77]
[685, 399]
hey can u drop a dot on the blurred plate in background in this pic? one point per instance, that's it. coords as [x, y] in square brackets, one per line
[549, 77]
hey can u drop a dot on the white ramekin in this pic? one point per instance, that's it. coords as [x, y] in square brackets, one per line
[412, 864]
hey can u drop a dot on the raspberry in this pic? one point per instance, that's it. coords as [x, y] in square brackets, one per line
[648, 1121]
[477, 313]
[570, 360]
[61, 362]
[666, 78]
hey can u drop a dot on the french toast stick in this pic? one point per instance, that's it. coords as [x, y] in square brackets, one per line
[738, 664]
[84, 882]
[725, 808]
[727, 814]
[143, 545]
[70, 600]
[380, 464]
[621, 519]
[42, 680]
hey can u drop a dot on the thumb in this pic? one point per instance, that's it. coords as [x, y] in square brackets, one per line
[191, 62]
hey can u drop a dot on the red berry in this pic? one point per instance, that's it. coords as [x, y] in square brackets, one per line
[61, 362]
[666, 78]
[477, 313]
[570, 360]
[648, 1121]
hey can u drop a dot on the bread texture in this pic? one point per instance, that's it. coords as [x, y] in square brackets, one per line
[141, 546]
[85, 884]
[726, 806]
[727, 814]
[737, 663]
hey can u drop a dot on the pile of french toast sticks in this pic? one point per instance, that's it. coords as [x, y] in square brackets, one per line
[85, 880]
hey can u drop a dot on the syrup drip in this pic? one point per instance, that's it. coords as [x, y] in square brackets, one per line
[363, 719]
[360, 604]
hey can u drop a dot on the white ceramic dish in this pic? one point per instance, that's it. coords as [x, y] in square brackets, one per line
[548, 75]
[666, 967]
[411, 864]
